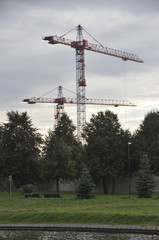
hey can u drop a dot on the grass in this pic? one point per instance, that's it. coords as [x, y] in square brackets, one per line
[102, 209]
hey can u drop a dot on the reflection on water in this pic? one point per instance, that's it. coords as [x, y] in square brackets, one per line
[32, 235]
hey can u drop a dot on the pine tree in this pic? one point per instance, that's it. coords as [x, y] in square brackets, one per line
[85, 186]
[145, 180]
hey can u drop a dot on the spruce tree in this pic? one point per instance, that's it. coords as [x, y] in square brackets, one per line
[145, 179]
[85, 186]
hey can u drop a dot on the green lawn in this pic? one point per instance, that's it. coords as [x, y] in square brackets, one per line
[102, 209]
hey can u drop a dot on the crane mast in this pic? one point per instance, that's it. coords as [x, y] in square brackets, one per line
[80, 82]
[59, 108]
[80, 45]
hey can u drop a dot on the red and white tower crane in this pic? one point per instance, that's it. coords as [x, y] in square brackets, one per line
[80, 45]
[60, 101]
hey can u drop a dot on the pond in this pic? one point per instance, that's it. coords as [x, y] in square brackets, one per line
[39, 235]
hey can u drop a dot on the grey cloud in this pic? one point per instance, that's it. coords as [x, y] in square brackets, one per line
[30, 67]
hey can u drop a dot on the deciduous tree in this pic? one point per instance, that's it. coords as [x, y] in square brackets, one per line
[146, 140]
[56, 160]
[106, 147]
[65, 131]
[20, 148]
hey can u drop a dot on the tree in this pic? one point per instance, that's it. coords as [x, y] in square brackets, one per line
[65, 131]
[1, 158]
[106, 147]
[19, 149]
[62, 153]
[145, 180]
[146, 140]
[85, 185]
[56, 160]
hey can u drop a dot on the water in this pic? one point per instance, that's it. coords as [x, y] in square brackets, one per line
[35, 235]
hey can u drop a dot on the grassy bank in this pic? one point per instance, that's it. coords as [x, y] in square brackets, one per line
[102, 209]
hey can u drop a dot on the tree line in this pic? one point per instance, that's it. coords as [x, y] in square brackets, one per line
[30, 159]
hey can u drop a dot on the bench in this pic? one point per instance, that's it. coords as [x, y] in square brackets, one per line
[31, 195]
[35, 195]
[52, 195]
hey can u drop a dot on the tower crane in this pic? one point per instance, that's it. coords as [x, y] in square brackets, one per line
[60, 101]
[80, 45]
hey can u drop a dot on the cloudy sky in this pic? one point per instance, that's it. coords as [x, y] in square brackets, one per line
[30, 67]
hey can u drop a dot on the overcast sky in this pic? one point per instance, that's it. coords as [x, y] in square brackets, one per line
[30, 67]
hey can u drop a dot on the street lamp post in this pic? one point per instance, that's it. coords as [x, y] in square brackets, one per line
[10, 185]
[129, 167]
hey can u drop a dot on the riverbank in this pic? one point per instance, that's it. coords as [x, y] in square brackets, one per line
[103, 210]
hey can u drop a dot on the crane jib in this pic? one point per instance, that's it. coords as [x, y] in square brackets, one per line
[94, 47]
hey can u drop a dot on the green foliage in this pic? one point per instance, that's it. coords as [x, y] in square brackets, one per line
[145, 180]
[56, 160]
[146, 141]
[62, 154]
[78, 157]
[106, 146]
[19, 149]
[85, 186]
[65, 129]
